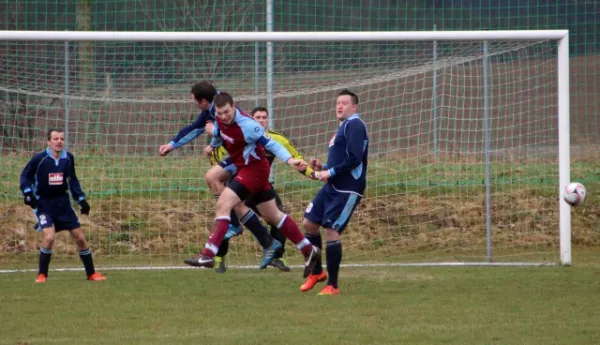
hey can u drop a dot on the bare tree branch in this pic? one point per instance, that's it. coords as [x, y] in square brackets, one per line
[208, 58]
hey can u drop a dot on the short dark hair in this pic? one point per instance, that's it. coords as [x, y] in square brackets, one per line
[259, 109]
[223, 98]
[204, 90]
[57, 130]
[353, 96]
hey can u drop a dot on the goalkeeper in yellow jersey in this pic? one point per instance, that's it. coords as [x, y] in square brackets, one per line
[261, 115]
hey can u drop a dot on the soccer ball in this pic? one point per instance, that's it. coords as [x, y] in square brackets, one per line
[575, 194]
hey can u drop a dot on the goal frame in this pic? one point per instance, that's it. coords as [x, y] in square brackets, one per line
[561, 36]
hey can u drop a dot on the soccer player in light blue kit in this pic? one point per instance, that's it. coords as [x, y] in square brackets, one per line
[346, 178]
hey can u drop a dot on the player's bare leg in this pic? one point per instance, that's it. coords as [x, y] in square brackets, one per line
[316, 274]
[85, 254]
[216, 177]
[289, 229]
[227, 201]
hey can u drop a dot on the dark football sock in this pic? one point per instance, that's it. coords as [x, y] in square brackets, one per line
[315, 240]
[88, 262]
[45, 257]
[334, 259]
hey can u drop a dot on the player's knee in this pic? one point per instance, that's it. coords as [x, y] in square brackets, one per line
[273, 216]
[332, 235]
[48, 239]
[81, 241]
[210, 177]
[223, 206]
[242, 209]
[309, 226]
[79, 238]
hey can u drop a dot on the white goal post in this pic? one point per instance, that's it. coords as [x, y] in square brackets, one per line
[561, 37]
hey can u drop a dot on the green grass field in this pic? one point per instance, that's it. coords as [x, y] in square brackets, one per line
[451, 305]
[146, 213]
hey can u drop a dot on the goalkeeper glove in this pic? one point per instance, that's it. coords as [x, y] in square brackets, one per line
[29, 199]
[85, 207]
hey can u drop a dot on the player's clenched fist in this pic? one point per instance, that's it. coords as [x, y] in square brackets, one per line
[85, 207]
[315, 163]
[323, 175]
[164, 150]
[29, 199]
[209, 128]
[208, 150]
[297, 164]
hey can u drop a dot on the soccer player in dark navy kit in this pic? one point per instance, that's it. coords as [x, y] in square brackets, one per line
[345, 174]
[44, 183]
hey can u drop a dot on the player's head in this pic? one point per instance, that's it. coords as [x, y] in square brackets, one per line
[56, 139]
[224, 107]
[202, 94]
[261, 115]
[346, 104]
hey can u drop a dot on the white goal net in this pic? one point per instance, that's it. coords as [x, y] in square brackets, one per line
[464, 143]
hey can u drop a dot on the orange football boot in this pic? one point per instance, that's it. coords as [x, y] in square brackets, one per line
[312, 280]
[96, 277]
[41, 278]
[329, 290]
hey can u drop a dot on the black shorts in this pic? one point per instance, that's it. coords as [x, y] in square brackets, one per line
[256, 200]
[250, 198]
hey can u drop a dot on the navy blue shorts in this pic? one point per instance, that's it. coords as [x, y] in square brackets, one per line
[332, 209]
[57, 212]
[228, 165]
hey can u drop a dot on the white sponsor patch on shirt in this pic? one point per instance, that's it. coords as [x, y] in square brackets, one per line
[55, 179]
[227, 138]
[332, 141]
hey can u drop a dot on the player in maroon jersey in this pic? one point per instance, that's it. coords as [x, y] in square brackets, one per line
[245, 140]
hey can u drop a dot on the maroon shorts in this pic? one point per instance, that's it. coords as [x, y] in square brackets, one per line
[255, 177]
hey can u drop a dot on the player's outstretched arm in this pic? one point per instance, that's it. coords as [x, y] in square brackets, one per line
[185, 135]
[298, 164]
[164, 150]
[280, 152]
[287, 144]
[254, 133]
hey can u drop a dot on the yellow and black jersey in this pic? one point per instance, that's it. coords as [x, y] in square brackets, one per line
[285, 142]
[218, 155]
